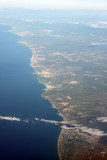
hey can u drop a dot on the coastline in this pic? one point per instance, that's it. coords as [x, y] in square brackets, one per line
[24, 88]
[66, 90]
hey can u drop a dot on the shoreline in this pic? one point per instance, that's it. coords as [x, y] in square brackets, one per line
[10, 114]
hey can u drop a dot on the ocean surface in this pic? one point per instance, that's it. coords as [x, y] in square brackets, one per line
[20, 96]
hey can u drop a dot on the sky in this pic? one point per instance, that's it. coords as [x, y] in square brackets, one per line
[55, 4]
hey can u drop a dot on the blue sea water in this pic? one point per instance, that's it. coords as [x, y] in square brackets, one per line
[20, 96]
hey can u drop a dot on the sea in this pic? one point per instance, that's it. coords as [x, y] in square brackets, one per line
[21, 97]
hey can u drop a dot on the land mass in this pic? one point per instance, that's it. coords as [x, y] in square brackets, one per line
[70, 60]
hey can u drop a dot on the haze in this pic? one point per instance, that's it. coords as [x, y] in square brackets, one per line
[56, 4]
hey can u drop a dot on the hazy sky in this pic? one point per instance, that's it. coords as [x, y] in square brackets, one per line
[55, 4]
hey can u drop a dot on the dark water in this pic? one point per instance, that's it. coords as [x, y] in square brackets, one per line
[20, 96]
